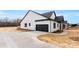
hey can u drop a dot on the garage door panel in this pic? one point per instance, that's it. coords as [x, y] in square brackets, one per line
[43, 27]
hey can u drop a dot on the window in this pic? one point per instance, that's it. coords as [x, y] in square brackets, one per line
[54, 25]
[29, 24]
[25, 24]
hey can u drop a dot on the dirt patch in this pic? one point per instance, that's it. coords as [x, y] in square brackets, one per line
[13, 29]
[71, 40]
[73, 28]
[8, 29]
[24, 30]
[61, 41]
[74, 38]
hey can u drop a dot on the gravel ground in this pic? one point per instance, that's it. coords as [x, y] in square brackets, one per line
[22, 40]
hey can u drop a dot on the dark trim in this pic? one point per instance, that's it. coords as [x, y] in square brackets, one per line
[25, 25]
[54, 14]
[45, 20]
[24, 16]
[33, 12]
[42, 20]
[40, 14]
[54, 25]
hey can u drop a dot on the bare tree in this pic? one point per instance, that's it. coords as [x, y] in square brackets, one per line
[9, 22]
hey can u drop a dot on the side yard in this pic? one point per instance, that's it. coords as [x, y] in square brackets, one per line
[9, 29]
[12, 29]
[69, 40]
[11, 37]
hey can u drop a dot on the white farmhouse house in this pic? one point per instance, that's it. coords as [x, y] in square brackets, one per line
[47, 22]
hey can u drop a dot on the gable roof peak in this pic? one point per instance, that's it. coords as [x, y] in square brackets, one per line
[46, 15]
[49, 14]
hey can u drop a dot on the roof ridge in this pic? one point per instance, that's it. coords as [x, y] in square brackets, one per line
[42, 14]
[49, 14]
[39, 14]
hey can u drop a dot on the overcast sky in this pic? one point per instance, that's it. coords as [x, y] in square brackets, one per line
[72, 16]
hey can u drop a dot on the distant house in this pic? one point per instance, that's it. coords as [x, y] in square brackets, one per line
[47, 22]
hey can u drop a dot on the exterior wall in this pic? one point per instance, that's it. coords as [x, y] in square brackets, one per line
[52, 26]
[30, 18]
[60, 26]
[53, 16]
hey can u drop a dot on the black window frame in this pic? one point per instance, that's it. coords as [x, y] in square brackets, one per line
[54, 25]
[25, 24]
[29, 24]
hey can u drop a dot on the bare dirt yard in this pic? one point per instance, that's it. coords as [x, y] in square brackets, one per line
[9, 29]
[11, 37]
[12, 29]
[68, 40]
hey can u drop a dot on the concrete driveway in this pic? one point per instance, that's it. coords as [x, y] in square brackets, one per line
[22, 40]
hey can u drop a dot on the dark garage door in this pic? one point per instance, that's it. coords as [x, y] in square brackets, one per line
[43, 27]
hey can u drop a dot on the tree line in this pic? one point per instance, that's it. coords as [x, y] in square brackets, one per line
[6, 22]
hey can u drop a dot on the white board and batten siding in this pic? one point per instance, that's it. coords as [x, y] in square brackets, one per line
[53, 16]
[30, 18]
[52, 26]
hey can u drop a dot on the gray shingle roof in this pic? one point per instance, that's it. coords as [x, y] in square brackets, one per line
[48, 14]
[59, 18]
